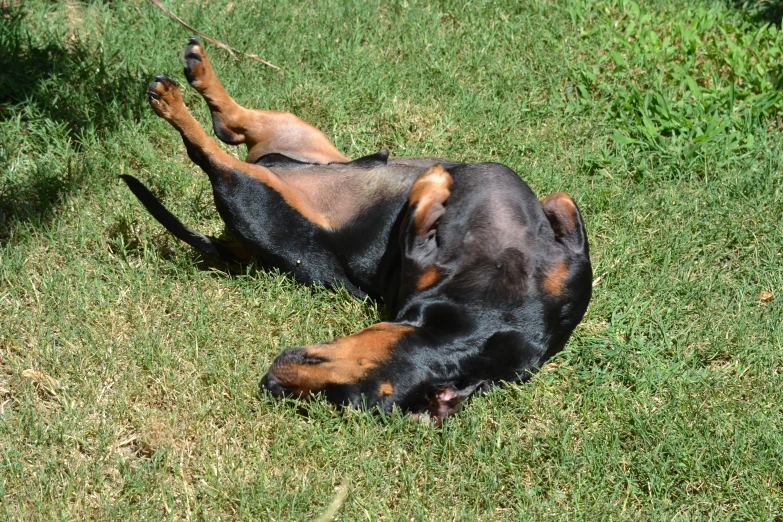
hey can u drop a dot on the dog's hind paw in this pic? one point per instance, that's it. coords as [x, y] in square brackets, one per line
[196, 63]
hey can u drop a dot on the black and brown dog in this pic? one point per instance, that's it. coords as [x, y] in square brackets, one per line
[483, 281]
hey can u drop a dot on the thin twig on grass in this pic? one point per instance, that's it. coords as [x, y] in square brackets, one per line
[231, 50]
[336, 503]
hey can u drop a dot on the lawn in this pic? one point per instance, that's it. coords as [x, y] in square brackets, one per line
[129, 365]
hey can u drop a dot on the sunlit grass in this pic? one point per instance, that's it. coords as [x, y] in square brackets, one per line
[129, 365]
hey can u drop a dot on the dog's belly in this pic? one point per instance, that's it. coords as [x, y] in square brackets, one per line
[364, 204]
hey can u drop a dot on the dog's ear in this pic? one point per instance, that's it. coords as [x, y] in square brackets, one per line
[566, 221]
[425, 207]
[427, 196]
[418, 241]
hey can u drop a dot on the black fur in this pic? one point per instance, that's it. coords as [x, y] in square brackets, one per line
[483, 291]
[208, 245]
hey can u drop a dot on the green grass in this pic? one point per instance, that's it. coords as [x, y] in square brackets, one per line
[129, 365]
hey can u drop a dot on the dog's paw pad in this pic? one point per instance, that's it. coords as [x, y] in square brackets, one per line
[163, 94]
[167, 80]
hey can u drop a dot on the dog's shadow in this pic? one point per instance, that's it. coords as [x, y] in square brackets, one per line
[762, 11]
[54, 93]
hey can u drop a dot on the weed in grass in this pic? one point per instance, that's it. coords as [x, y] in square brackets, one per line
[686, 89]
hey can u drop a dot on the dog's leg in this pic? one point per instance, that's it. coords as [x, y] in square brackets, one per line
[263, 132]
[254, 201]
[166, 100]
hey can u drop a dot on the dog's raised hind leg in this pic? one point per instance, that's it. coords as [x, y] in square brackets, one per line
[263, 132]
[222, 168]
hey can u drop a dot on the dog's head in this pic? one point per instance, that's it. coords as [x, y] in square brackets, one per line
[491, 288]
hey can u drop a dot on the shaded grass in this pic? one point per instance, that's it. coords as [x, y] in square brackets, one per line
[128, 366]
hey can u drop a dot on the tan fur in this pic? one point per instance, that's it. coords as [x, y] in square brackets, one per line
[555, 278]
[564, 209]
[385, 389]
[428, 277]
[345, 360]
[429, 192]
[261, 131]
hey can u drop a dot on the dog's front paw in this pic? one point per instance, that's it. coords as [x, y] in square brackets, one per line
[196, 63]
[164, 97]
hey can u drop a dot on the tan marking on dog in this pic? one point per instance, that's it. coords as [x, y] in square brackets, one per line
[555, 278]
[343, 193]
[428, 277]
[345, 360]
[385, 389]
[429, 192]
[296, 199]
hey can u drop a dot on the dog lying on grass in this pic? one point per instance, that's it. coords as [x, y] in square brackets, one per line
[483, 281]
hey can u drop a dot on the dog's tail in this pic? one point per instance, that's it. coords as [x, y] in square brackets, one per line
[211, 246]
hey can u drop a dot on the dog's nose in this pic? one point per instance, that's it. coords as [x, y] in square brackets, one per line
[272, 385]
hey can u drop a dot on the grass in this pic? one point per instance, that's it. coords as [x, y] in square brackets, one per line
[129, 365]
